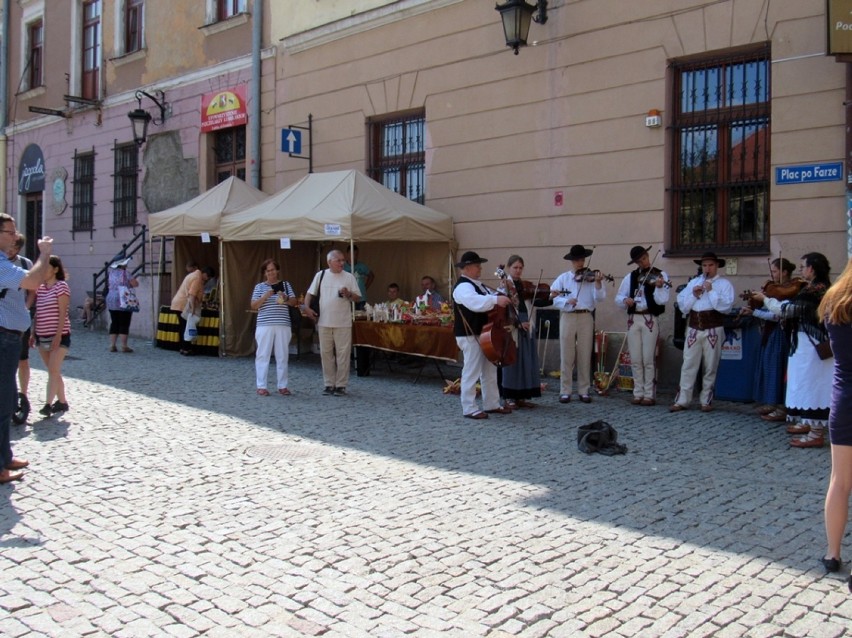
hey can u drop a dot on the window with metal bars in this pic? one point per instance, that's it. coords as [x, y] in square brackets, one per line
[125, 180]
[398, 153]
[229, 148]
[719, 194]
[83, 205]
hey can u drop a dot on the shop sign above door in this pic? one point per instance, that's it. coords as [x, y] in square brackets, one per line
[31, 170]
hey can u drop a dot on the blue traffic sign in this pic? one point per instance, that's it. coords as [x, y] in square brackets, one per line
[291, 141]
[809, 173]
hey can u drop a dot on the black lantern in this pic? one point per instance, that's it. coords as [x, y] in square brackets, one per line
[516, 15]
[140, 118]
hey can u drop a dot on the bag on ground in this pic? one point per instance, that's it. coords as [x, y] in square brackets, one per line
[600, 437]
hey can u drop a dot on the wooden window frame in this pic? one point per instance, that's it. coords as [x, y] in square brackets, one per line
[90, 48]
[226, 9]
[397, 153]
[232, 160]
[720, 155]
[134, 25]
[35, 44]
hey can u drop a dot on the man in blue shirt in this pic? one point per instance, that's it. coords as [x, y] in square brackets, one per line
[14, 320]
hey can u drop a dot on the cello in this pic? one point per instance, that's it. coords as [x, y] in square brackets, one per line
[495, 340]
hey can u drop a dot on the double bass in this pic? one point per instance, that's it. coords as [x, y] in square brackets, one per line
[496, 340]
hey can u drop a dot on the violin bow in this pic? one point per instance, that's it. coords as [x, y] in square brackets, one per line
[647, 274]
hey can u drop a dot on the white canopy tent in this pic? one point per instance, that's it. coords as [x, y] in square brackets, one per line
[188, 221]
[399, 239]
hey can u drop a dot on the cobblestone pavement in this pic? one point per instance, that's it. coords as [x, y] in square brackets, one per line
[172, 501]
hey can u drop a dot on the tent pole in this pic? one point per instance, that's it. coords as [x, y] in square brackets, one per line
[221, 286]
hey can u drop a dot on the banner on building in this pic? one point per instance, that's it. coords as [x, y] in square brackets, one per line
[223, 109]
[839, 17]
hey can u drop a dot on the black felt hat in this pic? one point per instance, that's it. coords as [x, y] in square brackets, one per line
[578, 252]
[710, 255]
[468, 258]
[636, 252]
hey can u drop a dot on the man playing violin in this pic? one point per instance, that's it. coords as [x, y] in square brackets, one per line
[473, 301]
[705, 299]
[644, 294]
[576, 294]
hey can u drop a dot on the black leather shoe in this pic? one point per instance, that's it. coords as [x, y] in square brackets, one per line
[831, 565]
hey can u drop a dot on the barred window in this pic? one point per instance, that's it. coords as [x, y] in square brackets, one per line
[125, 184]
[398, 155]
[719, 194]
[84, 191]
[229, 147]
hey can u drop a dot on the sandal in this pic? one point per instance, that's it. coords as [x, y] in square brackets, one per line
[775, 416]
[262, 392]
[523, 403]
[113, 349]
[512, 405]
[127, 349]
[284, 391]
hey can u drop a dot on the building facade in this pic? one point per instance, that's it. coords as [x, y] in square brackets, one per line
[686, 128]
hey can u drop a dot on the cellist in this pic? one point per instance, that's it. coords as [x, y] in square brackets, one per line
[472, 303]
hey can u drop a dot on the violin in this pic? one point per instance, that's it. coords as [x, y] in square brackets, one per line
[653, 277]
[535, 292]
[780, 291]
[585, 274]
[496, 341]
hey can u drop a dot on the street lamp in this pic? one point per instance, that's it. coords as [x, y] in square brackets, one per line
[516, 15]
[140, 118]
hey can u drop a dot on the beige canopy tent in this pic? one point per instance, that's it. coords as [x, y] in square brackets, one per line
[400, 240]
[202, 214]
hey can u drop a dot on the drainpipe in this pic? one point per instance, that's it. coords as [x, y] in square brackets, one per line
[848, 110]
[4, 105]
[254, 117]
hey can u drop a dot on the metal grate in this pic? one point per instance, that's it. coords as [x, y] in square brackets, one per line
[287, 452]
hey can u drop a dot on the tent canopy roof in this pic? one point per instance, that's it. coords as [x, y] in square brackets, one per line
[337, 205]
[203, 214]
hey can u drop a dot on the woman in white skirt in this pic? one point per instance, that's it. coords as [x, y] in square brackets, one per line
[809, 377]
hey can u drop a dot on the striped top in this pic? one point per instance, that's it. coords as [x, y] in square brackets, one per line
[47, 309]
[272, 313]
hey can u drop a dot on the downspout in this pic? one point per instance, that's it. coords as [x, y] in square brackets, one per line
[4, 92]
[254, 118]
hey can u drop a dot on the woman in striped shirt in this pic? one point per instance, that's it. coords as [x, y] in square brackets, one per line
[53, 333]
[272, 298]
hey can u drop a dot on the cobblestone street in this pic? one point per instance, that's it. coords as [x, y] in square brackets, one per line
[172, 501]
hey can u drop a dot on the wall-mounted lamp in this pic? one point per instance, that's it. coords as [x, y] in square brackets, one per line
[516, 15]
[140, 118]
[653, 119]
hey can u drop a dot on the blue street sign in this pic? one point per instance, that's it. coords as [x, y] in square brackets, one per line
[291, 141]
[809, 173]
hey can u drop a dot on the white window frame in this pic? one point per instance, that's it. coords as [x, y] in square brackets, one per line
[120, 26]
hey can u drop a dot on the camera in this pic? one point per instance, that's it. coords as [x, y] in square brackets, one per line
[279, 287]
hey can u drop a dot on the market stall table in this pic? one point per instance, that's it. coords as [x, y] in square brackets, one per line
[437, 343]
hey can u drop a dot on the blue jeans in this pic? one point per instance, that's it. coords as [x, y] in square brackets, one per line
[10, 352]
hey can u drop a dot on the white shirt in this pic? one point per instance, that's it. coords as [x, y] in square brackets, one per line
[661, 294]
[586, 293]
[721, 298]
[466, 294]
[335, 311]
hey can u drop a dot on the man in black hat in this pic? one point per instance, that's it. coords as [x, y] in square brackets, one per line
[472, 303]
[705, 300]
[576, 294]
[644, 293]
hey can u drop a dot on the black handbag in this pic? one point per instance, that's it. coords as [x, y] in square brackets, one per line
[599, 437]
[823, 348]
[315, 299]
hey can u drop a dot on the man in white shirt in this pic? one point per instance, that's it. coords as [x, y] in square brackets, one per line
[576, 294]
[644, 293]
[705, 300]
[337, 291]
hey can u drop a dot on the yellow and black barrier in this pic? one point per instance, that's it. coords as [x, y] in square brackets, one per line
[207, 341]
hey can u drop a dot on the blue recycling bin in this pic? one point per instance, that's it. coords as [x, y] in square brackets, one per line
[740, 350]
